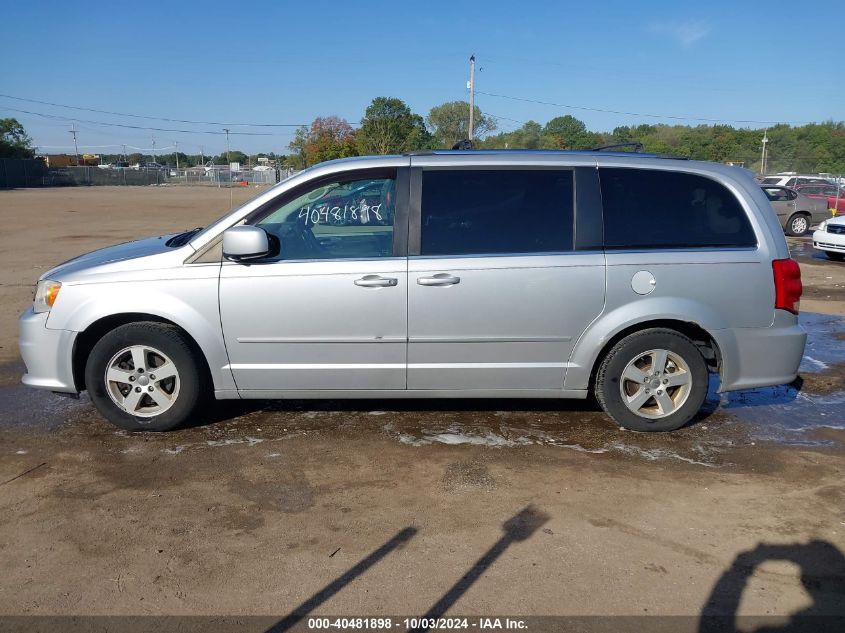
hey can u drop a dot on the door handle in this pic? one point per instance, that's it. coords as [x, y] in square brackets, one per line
[376, 281]
[440, 279]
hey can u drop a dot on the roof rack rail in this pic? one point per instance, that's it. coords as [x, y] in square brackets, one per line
[638, 147]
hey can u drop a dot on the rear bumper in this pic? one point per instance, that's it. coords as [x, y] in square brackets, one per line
[761, 357]
[46, 353]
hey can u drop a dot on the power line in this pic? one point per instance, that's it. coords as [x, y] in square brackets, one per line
[503, 118]
[151, 118]
[640, 114]
[134, 127]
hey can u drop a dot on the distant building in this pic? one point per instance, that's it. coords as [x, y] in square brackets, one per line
[67, 160]
[58, 160]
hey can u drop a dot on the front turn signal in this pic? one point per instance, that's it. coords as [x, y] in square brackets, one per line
[46, 293]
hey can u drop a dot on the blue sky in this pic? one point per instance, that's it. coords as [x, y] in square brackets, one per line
[288, 62]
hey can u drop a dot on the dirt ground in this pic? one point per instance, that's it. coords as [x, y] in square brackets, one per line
[477, 508]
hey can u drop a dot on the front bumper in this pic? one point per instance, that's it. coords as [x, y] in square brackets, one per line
[824, 241]
[761, 357]
[47, 354]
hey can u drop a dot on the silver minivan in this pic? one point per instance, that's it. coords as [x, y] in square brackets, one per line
[463, 274]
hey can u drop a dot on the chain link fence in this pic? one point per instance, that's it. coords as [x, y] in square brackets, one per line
[224, 177]
[193, 176]
[21, 172]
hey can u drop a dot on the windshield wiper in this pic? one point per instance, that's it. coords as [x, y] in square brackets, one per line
[182, 238]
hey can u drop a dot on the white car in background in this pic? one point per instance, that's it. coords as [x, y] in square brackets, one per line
[792, 179]
[830, 238]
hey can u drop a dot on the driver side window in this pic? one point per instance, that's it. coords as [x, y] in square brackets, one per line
[334, 220]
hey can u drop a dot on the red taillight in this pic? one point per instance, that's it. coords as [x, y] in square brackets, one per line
[787, 284]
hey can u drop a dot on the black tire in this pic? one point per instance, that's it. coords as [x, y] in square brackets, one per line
[803, 222]
[608, 389]
[837, 257]
[168, 339]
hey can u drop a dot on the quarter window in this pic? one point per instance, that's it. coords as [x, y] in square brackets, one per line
[344, 219]
[646, 208]
[467, 212]
[776, 194]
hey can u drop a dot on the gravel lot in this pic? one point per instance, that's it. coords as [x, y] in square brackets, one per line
[403, 508]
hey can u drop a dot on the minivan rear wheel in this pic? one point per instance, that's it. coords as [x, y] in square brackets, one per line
[797, 225]
[652, 380]
[145, 377]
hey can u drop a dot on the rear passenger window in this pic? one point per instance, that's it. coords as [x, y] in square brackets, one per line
[662, 209]
[467, 212]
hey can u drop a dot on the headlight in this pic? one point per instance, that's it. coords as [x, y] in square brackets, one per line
[822, 225]
[45, 295]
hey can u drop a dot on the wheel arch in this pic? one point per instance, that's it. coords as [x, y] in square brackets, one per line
[660, 312]
[702, 339]
[88, 338]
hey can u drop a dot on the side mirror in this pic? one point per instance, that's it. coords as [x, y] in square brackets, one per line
[245, 242]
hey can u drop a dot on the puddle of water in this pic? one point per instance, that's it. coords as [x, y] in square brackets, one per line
[23, 408]
[802, 249]
[703, 444]
[783, 414]
[249, 441]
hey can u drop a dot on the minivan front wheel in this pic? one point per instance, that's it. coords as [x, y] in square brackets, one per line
[798, 225]
[652, 380]
[144, 377]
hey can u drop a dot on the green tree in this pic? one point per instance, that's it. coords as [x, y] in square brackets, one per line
[14, 141]
[450, 123]
[420, 137]
[235, 156]
[526, 137]
[389, 127]
[327, 138]
[566, 132]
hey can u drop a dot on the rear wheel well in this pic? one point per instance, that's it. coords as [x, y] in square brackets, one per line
[87, 339]
[698, 335]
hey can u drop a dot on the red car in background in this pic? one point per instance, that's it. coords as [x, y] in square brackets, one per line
[829, 191]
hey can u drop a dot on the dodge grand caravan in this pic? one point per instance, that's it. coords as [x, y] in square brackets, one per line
[445, 274]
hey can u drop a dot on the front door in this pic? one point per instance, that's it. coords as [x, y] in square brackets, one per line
[497, 296]
[328, 311]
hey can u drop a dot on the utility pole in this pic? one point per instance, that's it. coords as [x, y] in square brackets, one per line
[75, 146]
[153, 149]
[471, 86]
[763, 156]
[124, 152]
[202, 155]
[229, 170]
[176, 147]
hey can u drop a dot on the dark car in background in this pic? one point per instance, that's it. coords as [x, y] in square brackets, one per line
[833, 194]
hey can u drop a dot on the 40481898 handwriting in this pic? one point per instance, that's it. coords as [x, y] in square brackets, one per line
[349, 213]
